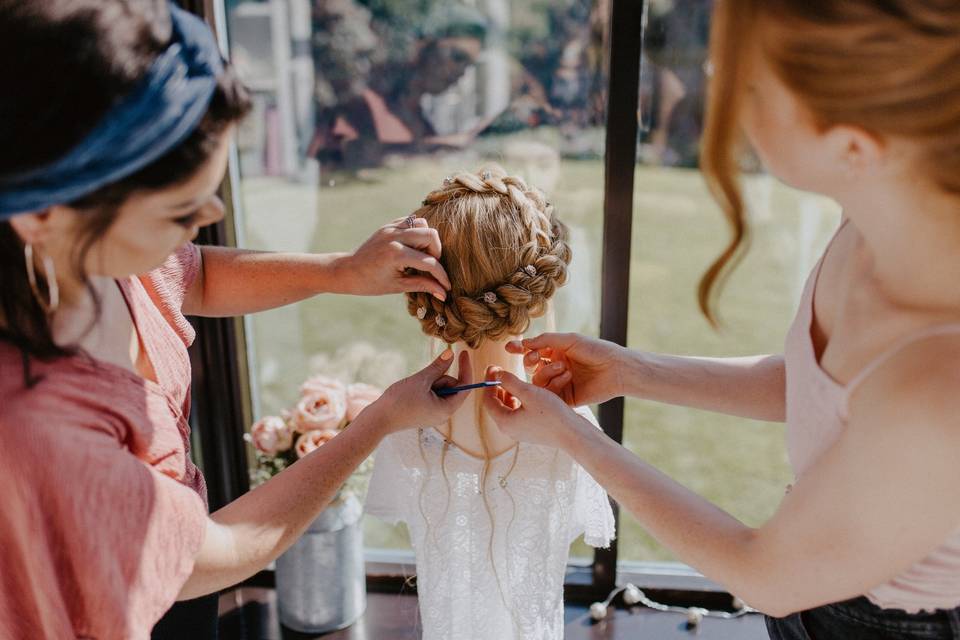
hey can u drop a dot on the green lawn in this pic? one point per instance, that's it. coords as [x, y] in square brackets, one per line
[739, 464]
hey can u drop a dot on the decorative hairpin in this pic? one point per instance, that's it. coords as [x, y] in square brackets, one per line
[530, 269]
[486, 175]
[441, 321]
[421, 312]
[448, 180]
[489, 297]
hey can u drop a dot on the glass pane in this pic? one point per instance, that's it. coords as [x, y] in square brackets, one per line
[362, 107]
[739, 464]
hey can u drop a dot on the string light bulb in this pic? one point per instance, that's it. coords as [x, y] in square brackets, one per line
[598, 611]
[695, 616]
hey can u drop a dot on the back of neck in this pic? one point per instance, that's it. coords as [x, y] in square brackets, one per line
[470, 428]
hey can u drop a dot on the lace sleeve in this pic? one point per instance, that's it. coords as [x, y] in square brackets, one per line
[592, 513]
[386, 495]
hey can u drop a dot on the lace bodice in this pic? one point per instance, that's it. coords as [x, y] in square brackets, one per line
[471, 585]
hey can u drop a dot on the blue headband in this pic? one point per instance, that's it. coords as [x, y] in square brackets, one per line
[159, 114]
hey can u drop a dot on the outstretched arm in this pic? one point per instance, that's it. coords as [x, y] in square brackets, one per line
[235, 281]
[584, 370]
[747, 386]
[881, 498]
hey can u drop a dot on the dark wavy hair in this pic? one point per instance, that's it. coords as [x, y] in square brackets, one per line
[84, 55]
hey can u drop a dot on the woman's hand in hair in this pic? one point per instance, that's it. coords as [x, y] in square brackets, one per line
[411, 402]
[529, 413]
[579, 369]
[400, 257]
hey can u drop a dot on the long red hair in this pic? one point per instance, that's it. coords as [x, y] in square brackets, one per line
[891, 67]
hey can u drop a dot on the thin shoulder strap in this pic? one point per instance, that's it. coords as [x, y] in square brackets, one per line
[897, 347]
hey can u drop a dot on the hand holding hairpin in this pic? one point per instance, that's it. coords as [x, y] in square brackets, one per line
[449, 391]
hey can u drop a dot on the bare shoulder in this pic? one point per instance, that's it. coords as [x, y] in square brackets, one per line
[917, 388]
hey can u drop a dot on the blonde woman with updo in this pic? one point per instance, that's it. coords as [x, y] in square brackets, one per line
[858, 100]
[491, 520]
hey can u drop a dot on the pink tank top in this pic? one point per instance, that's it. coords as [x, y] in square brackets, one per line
[816, 416]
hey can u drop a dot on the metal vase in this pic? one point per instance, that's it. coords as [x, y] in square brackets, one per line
[321, 581]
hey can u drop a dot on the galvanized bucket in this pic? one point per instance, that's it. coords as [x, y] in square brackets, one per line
[321, 582]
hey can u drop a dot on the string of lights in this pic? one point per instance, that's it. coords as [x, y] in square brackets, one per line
[633, 595]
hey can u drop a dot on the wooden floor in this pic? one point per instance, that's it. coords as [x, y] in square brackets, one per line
[251, 614]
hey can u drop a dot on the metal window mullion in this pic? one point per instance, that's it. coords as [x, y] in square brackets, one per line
[619, 167]
[220, 398]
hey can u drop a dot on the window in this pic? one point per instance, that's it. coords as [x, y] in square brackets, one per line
[678, 231]
[363, 106]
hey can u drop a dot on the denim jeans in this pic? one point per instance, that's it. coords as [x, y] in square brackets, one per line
[860, 619]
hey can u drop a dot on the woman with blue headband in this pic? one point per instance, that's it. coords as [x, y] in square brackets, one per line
[115, 132]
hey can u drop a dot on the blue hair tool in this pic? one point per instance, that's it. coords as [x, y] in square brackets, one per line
[449, 391]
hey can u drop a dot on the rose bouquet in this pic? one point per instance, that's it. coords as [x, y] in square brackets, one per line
[325, 408]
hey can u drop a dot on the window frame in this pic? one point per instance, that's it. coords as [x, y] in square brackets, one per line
[222, 402]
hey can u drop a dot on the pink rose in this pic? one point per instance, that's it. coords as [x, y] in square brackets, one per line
[271, 435]
[359, 395]
[313, 440]
[321, 383]
[320, 408]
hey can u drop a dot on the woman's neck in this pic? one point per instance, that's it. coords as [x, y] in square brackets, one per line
[910, 239]
[466, 430]
[109, 335]
[493, 353]
[77, 319]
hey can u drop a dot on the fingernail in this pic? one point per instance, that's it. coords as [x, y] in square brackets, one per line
[440, 297]
[447, 354]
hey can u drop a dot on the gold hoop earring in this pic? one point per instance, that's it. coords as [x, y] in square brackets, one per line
[51, 276]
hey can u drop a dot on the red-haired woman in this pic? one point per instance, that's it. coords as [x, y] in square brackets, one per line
[858, 100]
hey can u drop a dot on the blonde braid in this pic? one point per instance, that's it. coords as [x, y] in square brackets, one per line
[505, 305]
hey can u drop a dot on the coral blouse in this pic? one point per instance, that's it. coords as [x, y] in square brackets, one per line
[103, 511]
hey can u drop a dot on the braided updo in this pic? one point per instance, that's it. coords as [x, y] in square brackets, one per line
[504, 250]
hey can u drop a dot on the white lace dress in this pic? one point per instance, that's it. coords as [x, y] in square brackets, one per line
[471, 585]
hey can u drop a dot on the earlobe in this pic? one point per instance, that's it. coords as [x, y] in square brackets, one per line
[863, 149]
[37, 227]
[853, 161]
[31, 227]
